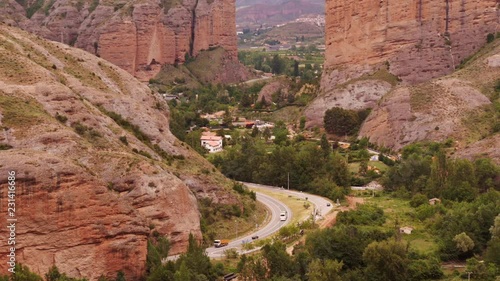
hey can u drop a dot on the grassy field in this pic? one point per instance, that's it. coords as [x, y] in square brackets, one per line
[399, 212]
[287, 114]
[354, 167]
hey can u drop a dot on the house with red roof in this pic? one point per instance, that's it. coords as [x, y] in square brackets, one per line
[211, 142]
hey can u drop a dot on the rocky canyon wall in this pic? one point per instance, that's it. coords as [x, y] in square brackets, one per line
[417, 39]
[137, 36]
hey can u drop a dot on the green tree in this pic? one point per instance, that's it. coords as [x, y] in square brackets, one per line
[296, 71]
[278, 260]
[120, 276]
[463, 242]
[486, 173]
[53, 274]
[266, 134]
[363, 167]
[23, 273]
[481, 270]
[325, 145]
[246, 100]
[196, 258]
[255, 132]
[493, 250]
[277, 64]
[183, 273]
[324, 270]
[386, 260]
[302, 124]
[280, 135]
[338, 171]
[340, 121]
[418, 199]
[439, 171]
[193, 139]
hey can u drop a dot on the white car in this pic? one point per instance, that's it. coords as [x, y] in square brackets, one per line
[283, 216]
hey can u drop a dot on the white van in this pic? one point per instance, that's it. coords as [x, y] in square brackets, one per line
[283, 216]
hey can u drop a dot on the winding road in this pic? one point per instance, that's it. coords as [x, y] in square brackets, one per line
[321, 206]
[274, 224]
[320, 203]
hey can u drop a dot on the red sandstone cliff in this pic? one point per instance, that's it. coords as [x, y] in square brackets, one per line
[373, 45]
[419, 39]
[87, 199]
[137, 37]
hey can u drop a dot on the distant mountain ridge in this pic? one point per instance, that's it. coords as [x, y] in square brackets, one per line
[253, 12]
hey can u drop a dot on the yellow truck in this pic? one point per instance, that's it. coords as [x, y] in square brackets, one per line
[220, 243]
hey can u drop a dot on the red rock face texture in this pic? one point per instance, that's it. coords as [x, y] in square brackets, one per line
[420, 39]
[454, 107]
[87, 201]
[135, 36]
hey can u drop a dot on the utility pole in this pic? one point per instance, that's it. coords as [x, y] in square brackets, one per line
[288, 181]
[468, 275]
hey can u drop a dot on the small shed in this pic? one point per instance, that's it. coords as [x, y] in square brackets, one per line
[406, 229]
[434, 201]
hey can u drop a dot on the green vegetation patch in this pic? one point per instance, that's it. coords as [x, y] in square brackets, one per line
[139, 134]
[168, 4]
[207, 64]
[74, 67]
[21, 113]
[16, 70]
[174, 79]
[481, 123]
[113, 75]
[33, 8]
[48, 6]
[93, 5]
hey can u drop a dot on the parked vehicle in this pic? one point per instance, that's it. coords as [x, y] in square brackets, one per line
[220, 243]
[255, 237]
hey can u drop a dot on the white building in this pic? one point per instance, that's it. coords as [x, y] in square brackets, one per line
[211, 142]
[406, 229]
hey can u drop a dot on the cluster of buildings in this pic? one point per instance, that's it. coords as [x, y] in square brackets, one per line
[318, 20]
[214, 143]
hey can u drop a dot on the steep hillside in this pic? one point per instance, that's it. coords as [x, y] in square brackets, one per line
[138, 36]
[418, 39]
[463, 106]
[97, 169]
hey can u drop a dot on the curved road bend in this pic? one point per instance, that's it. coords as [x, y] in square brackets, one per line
[275, 207]
[319, 202]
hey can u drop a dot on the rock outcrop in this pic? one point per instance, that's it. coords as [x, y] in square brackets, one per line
[408, 115]
[419, 39]
[97, 169]
[136, 36]
[457, 106]
[356, 96]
